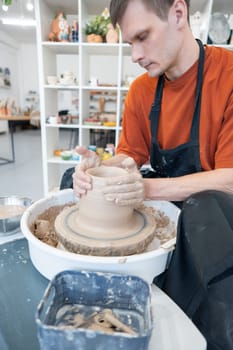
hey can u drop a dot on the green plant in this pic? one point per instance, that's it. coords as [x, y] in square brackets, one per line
[7, 2]
[98, 25]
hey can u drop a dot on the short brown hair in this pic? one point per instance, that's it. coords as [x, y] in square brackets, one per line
[160, 7]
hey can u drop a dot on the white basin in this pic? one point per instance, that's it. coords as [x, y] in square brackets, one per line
[49, 260]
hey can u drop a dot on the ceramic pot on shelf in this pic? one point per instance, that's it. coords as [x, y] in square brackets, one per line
[94, 38]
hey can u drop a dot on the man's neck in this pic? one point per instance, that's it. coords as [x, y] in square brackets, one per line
[187, 57]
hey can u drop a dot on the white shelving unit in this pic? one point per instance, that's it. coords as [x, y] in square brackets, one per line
[109, 62]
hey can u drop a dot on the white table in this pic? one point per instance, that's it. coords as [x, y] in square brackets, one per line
[173, 330]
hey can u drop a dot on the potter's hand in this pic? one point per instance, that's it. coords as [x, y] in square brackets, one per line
[81, 180]
[127, 189]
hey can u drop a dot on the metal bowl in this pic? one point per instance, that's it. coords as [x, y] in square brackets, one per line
[11, 224]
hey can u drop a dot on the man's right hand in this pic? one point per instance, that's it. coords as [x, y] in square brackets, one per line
[81, 180]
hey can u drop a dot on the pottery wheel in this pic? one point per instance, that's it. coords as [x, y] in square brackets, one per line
[89, 240]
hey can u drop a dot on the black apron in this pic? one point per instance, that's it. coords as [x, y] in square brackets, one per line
[199, 278]
[185, 158]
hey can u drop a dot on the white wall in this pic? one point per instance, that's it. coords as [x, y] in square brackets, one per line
[9, 59]
[28, 71]
[22, 62]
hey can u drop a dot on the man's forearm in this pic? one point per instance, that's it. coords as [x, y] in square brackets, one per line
[179, 188]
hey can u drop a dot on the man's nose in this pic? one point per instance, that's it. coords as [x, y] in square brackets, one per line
[136, 53]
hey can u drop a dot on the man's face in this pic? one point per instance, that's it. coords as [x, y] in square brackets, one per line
[155, 43]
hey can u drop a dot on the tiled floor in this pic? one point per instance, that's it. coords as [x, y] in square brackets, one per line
[24, 177]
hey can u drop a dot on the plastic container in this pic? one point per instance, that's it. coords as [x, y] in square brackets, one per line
[74, 294]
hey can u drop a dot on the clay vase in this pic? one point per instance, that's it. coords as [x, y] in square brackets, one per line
[99, 215]
[97, 226]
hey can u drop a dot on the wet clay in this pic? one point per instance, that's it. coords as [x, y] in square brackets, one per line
[102, 228]
[7, 211]
[43, 226]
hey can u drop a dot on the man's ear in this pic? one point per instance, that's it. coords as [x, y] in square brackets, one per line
[179, 12]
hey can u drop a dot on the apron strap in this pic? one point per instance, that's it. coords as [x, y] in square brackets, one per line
[196, 118]
[156, 108]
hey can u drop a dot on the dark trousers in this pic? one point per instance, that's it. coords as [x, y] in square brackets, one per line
[200, 275]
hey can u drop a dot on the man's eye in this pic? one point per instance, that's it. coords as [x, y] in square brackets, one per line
[141, 37]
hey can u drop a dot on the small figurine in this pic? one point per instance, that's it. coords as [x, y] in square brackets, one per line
[74, 32]
[60, 29]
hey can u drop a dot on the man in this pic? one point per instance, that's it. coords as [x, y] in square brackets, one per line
[178, 115]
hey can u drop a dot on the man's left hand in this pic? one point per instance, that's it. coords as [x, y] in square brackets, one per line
[127, 190]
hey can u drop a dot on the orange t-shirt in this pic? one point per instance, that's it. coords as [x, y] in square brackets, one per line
[216, 119]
